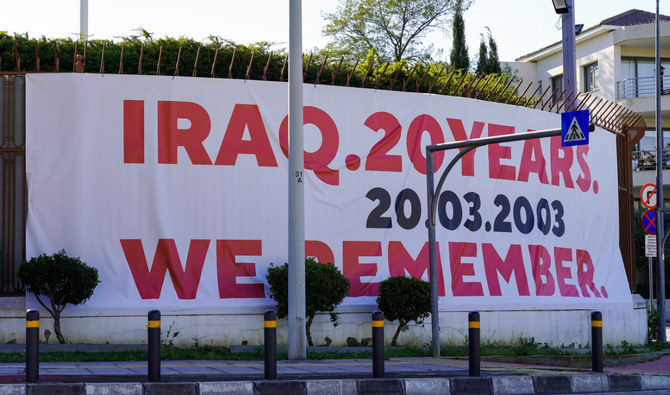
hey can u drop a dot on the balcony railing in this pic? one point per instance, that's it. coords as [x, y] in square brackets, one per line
[641, 87]
[646, 160]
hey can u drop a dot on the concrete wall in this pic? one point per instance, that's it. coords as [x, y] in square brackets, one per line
[554, 327]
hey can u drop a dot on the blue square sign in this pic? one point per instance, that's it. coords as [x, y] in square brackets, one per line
[574, 128]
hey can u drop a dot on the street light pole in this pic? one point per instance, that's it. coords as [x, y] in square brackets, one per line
[83, 19]
[296, 190]
[569, 50]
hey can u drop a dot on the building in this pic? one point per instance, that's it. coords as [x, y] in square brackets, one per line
[616, 61]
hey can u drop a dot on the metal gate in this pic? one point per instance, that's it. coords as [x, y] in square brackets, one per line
[13, 181]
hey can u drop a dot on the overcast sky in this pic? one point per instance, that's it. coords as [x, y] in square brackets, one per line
[518, 26]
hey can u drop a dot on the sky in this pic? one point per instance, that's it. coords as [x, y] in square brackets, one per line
[518, 26]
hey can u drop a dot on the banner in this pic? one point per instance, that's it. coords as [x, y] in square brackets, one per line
[176, 190]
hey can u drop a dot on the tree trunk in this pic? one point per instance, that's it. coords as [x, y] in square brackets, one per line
[59, 335]
[307, 326]
[397, 332]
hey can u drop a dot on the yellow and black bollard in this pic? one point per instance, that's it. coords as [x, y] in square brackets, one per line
[474, 356]
[32, 346]
[154, 343]
[270, 324]
[378, 344]
[596, 341]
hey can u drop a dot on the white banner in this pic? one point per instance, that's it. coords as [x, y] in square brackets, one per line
[176, 190]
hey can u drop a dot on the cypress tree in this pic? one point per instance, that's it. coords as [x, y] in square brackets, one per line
[483, 61]
[493, 61]
[459, 51]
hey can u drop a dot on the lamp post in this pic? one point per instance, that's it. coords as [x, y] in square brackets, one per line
[566, 9]
[296, 192]
[83, 19]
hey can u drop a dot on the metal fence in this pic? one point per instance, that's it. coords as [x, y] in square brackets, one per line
[641, 87]
[12, 179]
[628, 126]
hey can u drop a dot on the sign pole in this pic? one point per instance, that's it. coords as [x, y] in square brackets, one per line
[651, 282]
[660, 294]
[296, 190]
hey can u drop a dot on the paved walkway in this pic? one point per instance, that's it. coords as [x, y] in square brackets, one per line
[236, 370]
[351, 376]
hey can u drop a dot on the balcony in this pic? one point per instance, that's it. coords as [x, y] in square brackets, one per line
[644, 170]
[641, 87]
[646, 160]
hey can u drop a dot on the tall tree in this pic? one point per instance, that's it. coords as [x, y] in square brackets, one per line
[483, 60]
[459, 51]
[493, 61]
[393, 27]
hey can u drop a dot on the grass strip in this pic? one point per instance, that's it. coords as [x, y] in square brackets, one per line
[170, 352]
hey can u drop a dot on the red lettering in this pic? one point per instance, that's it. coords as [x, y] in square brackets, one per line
[330, 141]
[319, 250]
[564, 273]
[424, 123]
[533, 161]
[133, 131]
[513, 264]
[246, 116]
[354, 270]
[401, 262]
[584, 179]
[585, 273]
[459, 269]
[540, 260]
[170, 137]
[149, 283]
[228, 269]
[378, 159]
[561, 162]
[498, 152]
[458, 131]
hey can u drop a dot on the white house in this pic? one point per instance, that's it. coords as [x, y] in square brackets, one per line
[616, 60]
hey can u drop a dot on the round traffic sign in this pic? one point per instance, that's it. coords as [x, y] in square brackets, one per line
[649, 222]
[648, 196]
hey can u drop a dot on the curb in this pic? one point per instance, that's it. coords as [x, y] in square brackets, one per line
[575, 361]
[428, 385]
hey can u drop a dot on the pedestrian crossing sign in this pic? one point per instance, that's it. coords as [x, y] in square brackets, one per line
[574, 128]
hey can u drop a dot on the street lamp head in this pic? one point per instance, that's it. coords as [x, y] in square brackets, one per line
[561, 6]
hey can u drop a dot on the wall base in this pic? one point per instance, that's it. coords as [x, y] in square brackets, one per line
[556, 328]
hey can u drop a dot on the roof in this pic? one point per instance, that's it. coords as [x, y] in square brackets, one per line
[626, 18]
[633, 17]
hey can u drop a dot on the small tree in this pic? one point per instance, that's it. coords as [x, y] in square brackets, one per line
[494, 62]
[483, 60]
[325, 288]
[61, 279]
[459, 51]
[404, 299]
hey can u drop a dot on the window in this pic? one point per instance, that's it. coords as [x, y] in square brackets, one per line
[639, 78]
[557, 87]
[591, 77]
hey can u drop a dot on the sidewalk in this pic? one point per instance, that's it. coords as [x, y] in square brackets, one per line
[351, 376]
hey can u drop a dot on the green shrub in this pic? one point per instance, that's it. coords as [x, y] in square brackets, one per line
[653, 323]
[404, 299]
[325, 288]
[61, 279]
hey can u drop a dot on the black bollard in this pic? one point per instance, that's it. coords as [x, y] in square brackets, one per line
[474, 357]
[270, 324]
[378, 344]
[597, 341]
[32, 346]
[154, 341]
